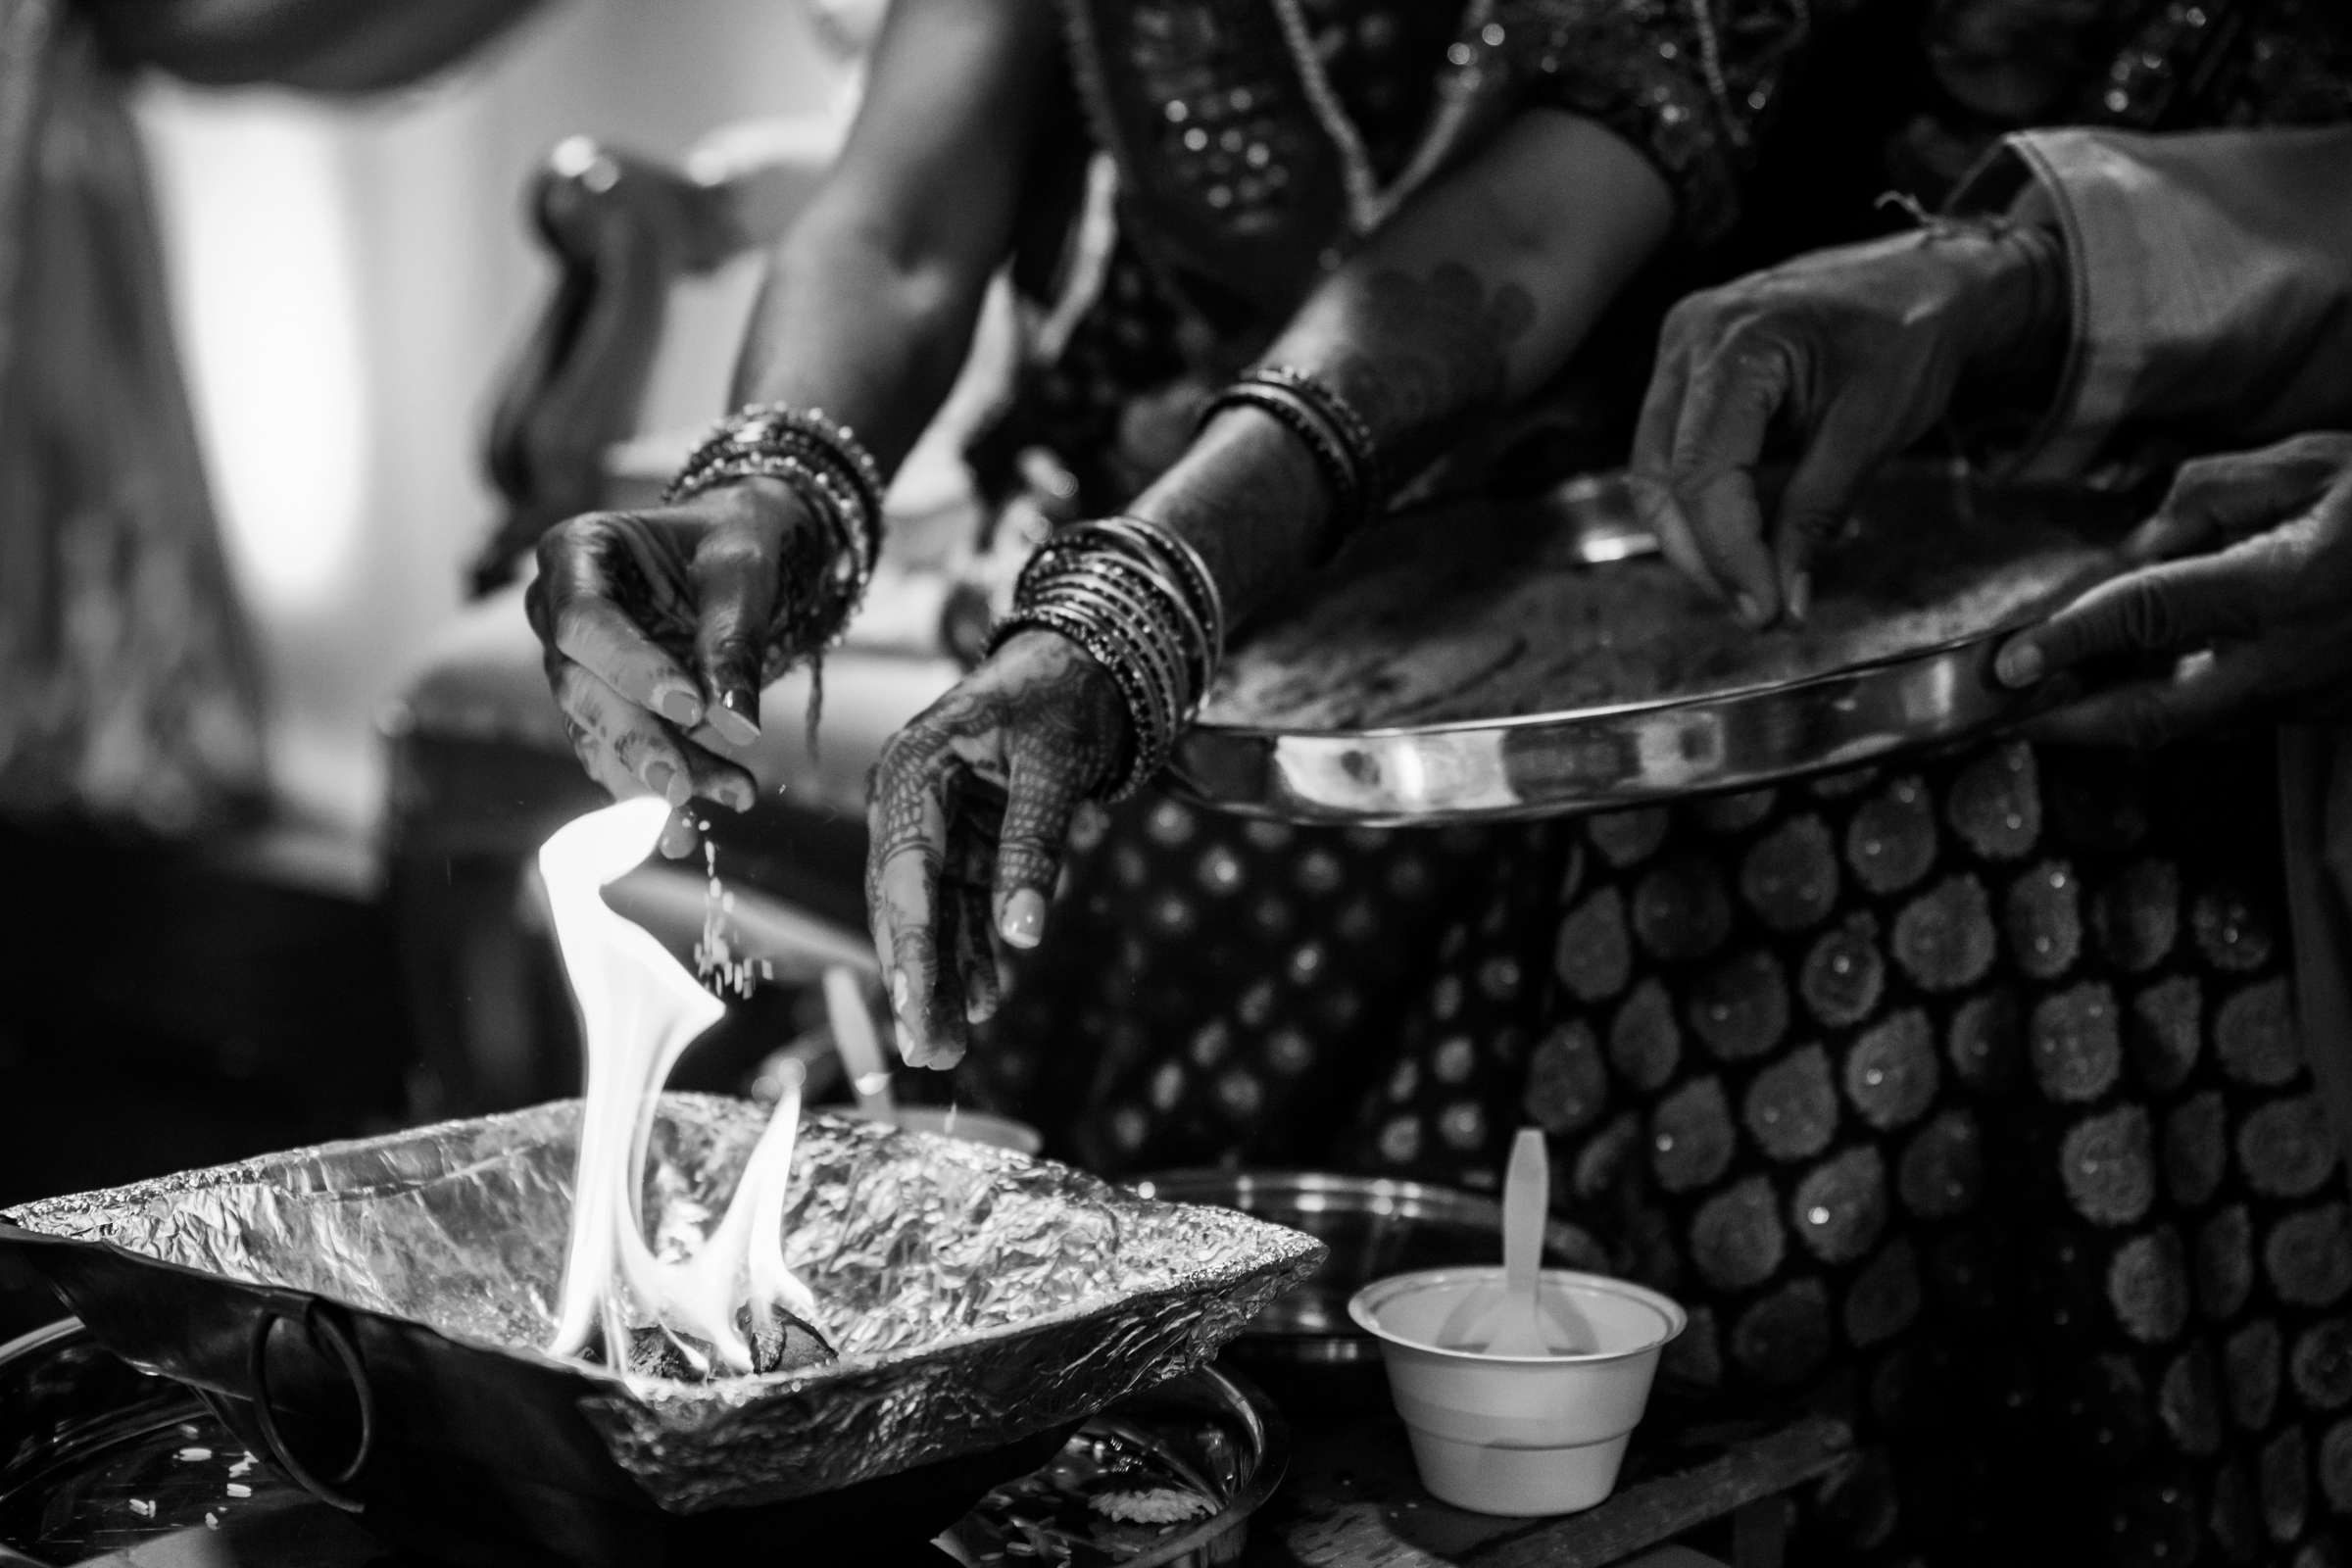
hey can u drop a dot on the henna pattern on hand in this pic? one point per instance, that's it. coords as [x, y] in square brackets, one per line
[1046, 706]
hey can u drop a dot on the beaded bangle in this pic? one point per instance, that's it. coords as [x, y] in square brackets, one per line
[1193, 571]
[822, 443]
[843, 584]
[1141, 602]
[1347, 498]
[1165, 601]
[827, 497]
[1152, 743]
[757, 425]
[1353, 429]
[1154, 640]
[1085, 550]
[832, 474]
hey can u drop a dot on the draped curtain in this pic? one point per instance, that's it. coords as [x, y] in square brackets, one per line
[130, 688]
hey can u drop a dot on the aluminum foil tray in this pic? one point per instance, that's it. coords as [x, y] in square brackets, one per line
[368, 1313]
[1487, 660]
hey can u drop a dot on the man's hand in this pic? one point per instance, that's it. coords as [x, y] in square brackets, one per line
[2247, 596]
[1846, 356]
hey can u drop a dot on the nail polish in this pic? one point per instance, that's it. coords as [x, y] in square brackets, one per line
[663, 779]
[898, 990]
[2020, 663]
[1800, 596]
[1024, 918]
[680, 707]
[736, 718]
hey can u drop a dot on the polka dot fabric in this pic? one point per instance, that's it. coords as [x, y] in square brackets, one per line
[1961, 1097]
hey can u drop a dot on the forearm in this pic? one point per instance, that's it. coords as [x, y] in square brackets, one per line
[871, 299]
[847, 322]
[1474, 296]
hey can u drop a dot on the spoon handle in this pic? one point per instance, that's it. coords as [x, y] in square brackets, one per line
[860, 1050]
[1526, 1198]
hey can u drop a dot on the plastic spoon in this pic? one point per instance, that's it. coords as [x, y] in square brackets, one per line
[860, 1049]
[1497, 1321]
[1525, 1199]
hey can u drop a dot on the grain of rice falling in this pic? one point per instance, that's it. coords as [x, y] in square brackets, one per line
[638, 1011]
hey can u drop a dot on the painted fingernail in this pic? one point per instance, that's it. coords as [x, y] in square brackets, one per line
[1750, 612]
[1800, 596]
[742, 797]
[910, 1050]
[1024, 918]
[734, 718]
[2020, 663]
[980, 1010]
[899, 989]
[663, 779]
[679, 705]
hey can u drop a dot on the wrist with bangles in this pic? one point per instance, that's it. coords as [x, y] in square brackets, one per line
[1335, 435]
[1139, 599]
[823, 464]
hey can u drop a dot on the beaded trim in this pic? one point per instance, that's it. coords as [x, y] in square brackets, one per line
[832, 473]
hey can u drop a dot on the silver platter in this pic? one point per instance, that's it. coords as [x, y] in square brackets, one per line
[1489, 662]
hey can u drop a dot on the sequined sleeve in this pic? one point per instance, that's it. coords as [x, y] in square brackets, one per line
[1691, 82]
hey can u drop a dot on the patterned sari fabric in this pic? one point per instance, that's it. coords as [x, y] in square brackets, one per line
[1959, 1097]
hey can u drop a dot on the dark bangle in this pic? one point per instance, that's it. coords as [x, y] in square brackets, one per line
[1353, 429]
[1340, 477]
[1145, 715]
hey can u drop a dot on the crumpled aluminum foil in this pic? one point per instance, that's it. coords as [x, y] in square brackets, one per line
[974, 1295]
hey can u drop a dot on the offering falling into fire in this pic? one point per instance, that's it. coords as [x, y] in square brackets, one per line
[730, 1307]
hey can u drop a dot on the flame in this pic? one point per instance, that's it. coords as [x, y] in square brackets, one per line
[640, 1009]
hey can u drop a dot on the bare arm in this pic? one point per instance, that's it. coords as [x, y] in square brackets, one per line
[1476, 295]
[871, 299]
[658, 623]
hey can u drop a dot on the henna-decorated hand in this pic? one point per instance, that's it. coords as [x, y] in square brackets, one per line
[1851, 356]
[971, 805]
[2254, 621]
[659, 630]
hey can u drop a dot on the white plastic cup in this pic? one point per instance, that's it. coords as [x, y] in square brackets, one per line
[1519, 1436]
[971, 1126]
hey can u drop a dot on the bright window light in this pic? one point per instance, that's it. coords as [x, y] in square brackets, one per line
[265, 265]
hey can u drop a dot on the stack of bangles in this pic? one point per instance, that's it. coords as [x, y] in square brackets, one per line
[824, 465]
[1140, 599]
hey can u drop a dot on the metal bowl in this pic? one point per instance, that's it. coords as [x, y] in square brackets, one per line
[1304, 1342]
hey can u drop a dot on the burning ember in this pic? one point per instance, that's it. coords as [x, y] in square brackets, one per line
[728, 1306]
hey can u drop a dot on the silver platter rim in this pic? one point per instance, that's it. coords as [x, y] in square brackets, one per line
[1564, 763]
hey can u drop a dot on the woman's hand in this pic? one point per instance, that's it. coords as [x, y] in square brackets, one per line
[971, 805]
[2256, 616]
[659, 629]
[1849, 355]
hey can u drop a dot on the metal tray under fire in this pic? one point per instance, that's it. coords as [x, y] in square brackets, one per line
[103, 1467]
[361, 1315]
